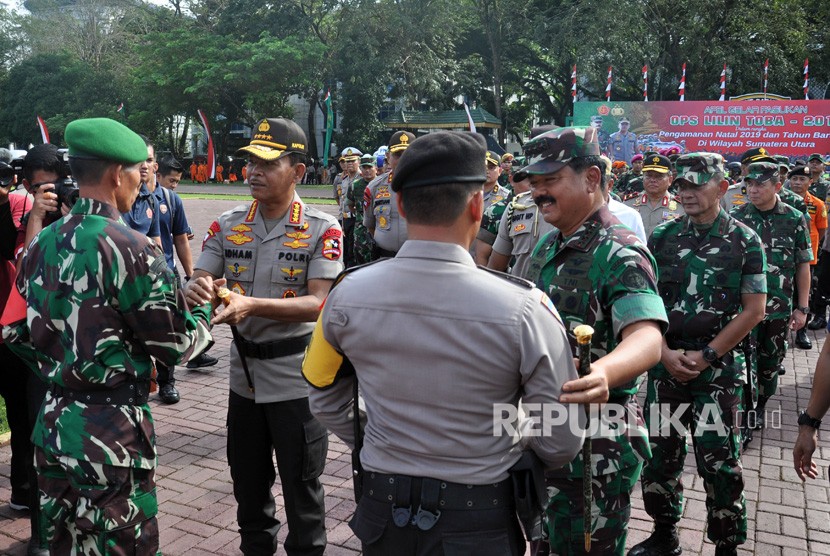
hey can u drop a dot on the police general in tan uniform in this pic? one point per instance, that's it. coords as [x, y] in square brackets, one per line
[656, 205]
[432, 451]
[380, 211]
[279, 257]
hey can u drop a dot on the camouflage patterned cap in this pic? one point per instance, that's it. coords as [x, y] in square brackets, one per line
[762, 171]
[368, 160]
[550, 151]
[698, 168]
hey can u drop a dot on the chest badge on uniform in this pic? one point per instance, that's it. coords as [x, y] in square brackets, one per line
[303, 228]
[288, 294]
[163, 209]
[236, 270]
[296, 244]
[520, 228]
[383, 192]
[291, 273]
[298, 235]
[241, 228]
[149, 213]
[239, 239]
[237, 288]
[382, 222]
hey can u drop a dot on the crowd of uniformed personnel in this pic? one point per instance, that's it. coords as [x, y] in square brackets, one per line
[690, 280]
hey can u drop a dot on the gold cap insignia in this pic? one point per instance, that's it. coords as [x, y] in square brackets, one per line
[655, 159]
[762, 150]
[264, 126]
[404, 139]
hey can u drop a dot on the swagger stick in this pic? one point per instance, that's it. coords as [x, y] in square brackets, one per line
[224, 294]
[583, 334]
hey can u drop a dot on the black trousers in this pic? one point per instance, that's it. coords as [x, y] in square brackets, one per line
[820, 292]
[13, 381]
[456, 533]
[300, 443]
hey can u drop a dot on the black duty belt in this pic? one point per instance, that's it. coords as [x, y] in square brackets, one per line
[272, 350]
[129, 393]
[419, 501]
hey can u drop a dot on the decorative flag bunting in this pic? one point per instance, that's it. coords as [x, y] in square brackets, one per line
[682, 87]
[470, 121]
[723, 84]
[329, 128]
[806, 79]
[608, 86]
[645, 83]
[766, 74]
[44, 131]
[573, 83]
[211, 158]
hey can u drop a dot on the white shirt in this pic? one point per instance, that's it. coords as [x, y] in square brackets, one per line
[629, 217]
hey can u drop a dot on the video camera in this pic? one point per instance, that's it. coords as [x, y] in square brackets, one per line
[66, 188]
[8, 172]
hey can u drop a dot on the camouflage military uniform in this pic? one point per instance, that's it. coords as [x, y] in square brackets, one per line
[602, 276]
[786, 239]
[702, 277]
[519, 231]
[96, 460]
[819, 189]
[736, 196]
[490, 221]
[362, 240]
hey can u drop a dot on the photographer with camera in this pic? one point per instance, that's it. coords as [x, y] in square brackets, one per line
[44, 174]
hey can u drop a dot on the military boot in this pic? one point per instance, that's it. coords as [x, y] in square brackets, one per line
[802, 341]
[664, 541]
[726, 550]
[760, 410]
[818, 323]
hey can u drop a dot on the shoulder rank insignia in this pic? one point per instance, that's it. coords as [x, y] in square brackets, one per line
[296, 213]
[251, 212]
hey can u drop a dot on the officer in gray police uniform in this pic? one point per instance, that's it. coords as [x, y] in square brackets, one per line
[279, 257]
[656, 205]
[431, 448]
[520, 229]
[380, 210]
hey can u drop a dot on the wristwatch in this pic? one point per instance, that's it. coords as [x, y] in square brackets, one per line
[805, 310]
[805, 419]
[710, 355]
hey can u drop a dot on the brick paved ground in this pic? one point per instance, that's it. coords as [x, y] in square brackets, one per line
[197, 510]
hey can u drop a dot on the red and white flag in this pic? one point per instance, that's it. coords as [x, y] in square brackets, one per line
[608, 86]
[766, 74]
[645, 83]
[723, 84]
[682, 87]
[573, 83]
[470, 121]
[806, 79]
[211, 158]
[44, 131]
[120, 107]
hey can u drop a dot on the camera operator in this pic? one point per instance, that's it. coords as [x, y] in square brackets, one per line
[21, 219]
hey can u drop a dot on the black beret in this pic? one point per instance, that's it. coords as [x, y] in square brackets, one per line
[799, 171]
[442, 157]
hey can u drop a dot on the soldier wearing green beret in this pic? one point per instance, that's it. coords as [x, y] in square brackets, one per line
[101, 303]
[786, 238]
[597, 272]
[713, 284]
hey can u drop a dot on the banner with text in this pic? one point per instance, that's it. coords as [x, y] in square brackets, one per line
[795, 128]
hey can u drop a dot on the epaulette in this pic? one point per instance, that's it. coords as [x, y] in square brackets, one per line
[527, 284]
[351, 269]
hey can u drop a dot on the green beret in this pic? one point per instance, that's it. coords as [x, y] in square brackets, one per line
[104, 139]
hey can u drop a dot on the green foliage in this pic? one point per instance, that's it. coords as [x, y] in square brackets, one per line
[242, 59]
